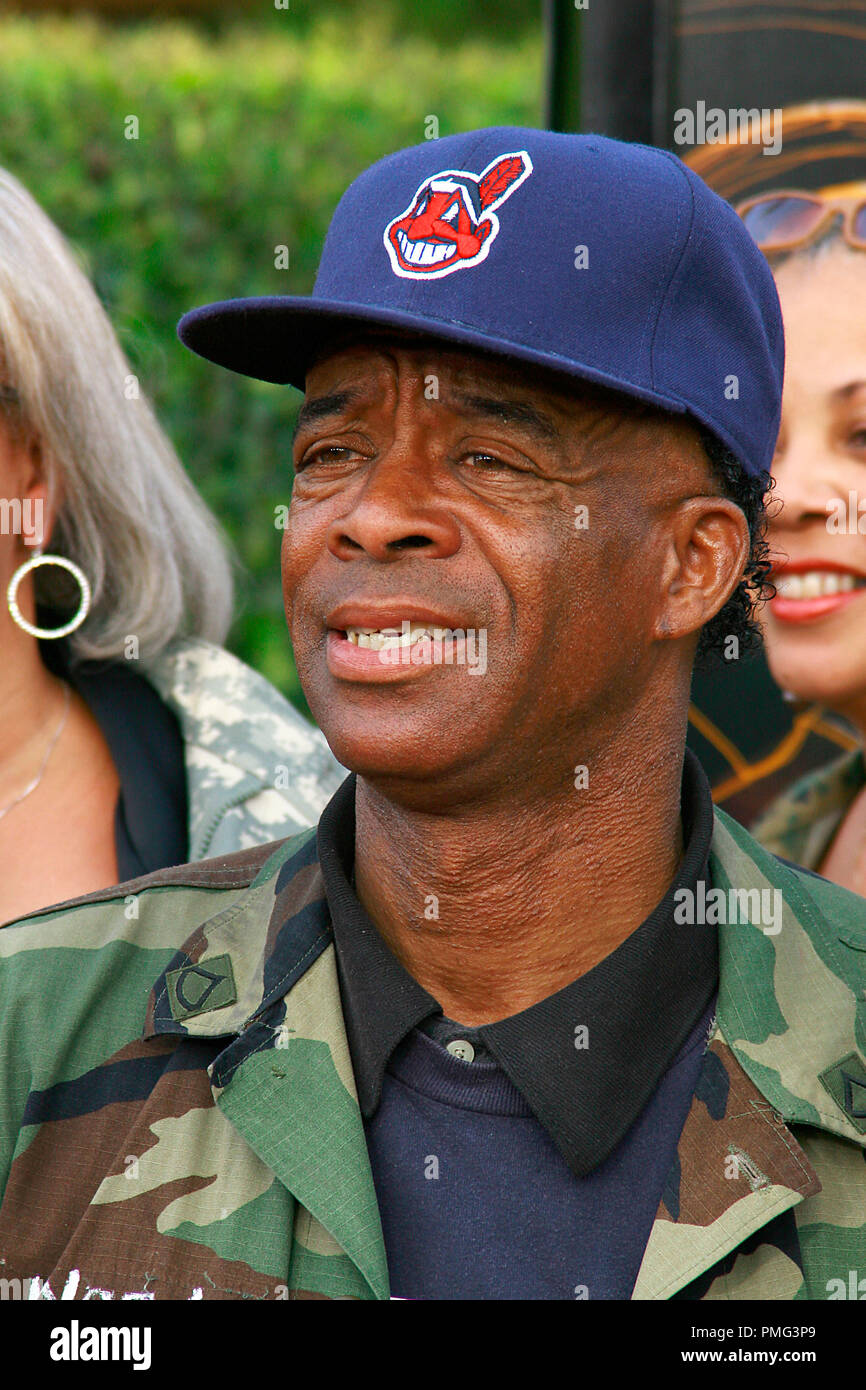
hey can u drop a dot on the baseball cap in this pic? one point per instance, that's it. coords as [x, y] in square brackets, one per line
[603, 260]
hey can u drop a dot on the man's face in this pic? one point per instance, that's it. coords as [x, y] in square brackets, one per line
[447, 490]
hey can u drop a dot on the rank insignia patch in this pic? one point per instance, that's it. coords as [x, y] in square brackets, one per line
[846, 1082]
[198, 989]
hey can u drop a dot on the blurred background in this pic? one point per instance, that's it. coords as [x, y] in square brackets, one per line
[252, 121]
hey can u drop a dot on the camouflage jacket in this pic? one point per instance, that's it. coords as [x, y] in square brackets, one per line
[255, 768]
[801, 823]
[179, 1120]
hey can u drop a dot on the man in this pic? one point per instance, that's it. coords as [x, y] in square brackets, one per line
[524, 1018]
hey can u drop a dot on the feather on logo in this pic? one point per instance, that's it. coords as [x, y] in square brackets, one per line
[451, 222]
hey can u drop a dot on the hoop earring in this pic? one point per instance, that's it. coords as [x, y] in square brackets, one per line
[36, 560]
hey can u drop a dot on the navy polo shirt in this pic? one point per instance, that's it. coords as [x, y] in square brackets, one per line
[526, 1158]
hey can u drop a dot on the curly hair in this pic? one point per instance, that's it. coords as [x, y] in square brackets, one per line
[737, 617]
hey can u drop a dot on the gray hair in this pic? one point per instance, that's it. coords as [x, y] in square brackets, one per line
[155, 557]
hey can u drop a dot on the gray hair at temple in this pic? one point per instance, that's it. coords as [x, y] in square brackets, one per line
[128, 515]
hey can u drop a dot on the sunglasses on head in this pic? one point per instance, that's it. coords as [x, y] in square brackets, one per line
[784, 220]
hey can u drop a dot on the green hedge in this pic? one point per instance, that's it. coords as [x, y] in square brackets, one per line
[247, 138]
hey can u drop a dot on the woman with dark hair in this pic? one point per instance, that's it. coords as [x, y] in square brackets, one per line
[815, 626]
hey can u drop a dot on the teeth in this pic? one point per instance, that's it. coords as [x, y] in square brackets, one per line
[810, 585]
[378, 639]
[423, 253]
[816, 584]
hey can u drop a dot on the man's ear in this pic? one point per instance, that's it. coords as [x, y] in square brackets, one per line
[708, 546]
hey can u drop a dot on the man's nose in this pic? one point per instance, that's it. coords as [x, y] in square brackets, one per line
[397, 510]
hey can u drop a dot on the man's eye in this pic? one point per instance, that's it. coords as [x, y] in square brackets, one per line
[489, 463]
[330, 453]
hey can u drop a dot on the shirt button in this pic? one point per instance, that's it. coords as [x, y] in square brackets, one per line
[459, 1047]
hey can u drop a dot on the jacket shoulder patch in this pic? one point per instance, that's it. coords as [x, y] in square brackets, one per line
[201, 988]
[846, 1083]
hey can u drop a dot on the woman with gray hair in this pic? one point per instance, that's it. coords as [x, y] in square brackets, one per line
[130, 739]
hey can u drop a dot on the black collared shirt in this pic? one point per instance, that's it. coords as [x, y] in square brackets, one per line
[639, 1004]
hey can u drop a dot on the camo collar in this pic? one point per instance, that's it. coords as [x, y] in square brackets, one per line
[791, 994]
[791, 1000]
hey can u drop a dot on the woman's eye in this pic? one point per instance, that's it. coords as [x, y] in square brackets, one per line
[857, 438]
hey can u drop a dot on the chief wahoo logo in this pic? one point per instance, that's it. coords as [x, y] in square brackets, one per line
[451, 221]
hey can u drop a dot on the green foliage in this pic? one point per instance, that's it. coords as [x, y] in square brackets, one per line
[247, 137]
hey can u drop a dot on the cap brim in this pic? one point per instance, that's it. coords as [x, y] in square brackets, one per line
[277, 338]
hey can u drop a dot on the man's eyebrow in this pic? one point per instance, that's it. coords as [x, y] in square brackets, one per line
[320, 407]
[511, 412]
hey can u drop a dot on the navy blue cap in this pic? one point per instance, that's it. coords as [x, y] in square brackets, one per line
[606, 261]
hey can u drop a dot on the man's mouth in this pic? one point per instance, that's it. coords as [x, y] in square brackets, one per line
[380, 639]
[390, 640]
[423, 253]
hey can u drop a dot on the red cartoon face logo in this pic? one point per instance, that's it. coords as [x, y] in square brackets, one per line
[451, 222]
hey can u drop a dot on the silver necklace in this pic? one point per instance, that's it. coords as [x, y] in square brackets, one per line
[31, 786]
